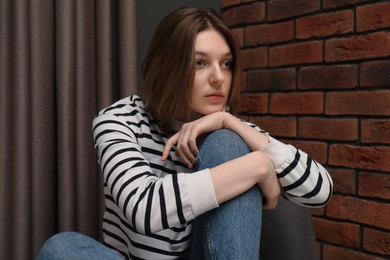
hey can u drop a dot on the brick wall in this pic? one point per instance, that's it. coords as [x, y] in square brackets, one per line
[316, 73]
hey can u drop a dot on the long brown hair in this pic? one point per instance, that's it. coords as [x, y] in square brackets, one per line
[168, 69]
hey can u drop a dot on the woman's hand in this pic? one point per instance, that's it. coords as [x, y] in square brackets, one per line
[234, 177]
[268, 182]
[186, 138]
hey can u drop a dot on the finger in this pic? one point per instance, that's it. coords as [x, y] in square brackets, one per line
[192, 142]
[171, 141]
[183, 158]
[272, 198]
[270, 203]
[183, 147]
[193, 148]
[271, 192]
[185, 153]
[186, 161]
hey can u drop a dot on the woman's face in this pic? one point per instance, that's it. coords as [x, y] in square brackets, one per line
[213, 74]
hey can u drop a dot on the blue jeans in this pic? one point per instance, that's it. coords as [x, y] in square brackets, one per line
[73, 245]
[231, 231]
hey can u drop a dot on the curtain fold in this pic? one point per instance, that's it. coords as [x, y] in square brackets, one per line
[60, 63]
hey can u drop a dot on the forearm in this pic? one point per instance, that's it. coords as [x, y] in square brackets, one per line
[255, 140]
[303, 180]
[234, 177]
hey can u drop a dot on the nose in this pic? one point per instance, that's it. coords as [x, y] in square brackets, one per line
[217, 77]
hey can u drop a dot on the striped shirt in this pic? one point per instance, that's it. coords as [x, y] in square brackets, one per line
[151, 204]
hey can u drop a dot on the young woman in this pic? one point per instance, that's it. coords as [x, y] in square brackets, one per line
[183, 176]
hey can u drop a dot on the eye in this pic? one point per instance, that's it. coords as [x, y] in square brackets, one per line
[227, 64]
[199, 63]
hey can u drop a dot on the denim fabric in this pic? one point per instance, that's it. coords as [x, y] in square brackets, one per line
[231, 231]
[75, 246]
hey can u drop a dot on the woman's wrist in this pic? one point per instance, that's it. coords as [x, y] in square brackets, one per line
[253, 138]
[229, 120]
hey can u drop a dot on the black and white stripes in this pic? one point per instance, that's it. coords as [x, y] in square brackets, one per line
[150, 204]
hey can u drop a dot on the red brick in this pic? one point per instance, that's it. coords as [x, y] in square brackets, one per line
[359, 210]
[336, 253]
[328, 128]
[297, 53]
[244, 14]
[254, 103]
[318, 211]
[317, 150]
[375, 74]
[322, 25]
[358, 103]
[337, 232]
[277, 126]
[297, 103]
[279, 9]
[319, 250]
[238, 35]
[358, 47]
[374, 185]
[276, 79]
[376, 241]
[269, 33]
[360, 157]
[327, 4]
[328, 77]
[253, 58]
[344, 181]
[226, 3]
[373, 17]
[375, 131]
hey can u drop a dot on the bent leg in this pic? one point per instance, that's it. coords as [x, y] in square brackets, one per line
[73, 245]
[231, 231]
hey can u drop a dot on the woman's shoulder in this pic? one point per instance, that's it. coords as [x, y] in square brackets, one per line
[126, 111]
[130, 105]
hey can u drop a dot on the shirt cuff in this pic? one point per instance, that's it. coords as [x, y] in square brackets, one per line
[278, 152]
[201, 192]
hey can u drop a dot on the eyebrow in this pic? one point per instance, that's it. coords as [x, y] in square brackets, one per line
[206, 54]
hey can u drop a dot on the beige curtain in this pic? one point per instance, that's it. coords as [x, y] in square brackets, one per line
[60, 62]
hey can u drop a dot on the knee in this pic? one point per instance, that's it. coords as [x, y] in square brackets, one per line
[54, 246]
[225, 140]
[221, 146]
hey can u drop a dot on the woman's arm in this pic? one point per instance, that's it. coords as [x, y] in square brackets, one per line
[149, 202]
[234, 177]
[303, 180]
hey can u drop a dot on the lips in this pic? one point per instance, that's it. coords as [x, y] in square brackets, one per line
[215, 95]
